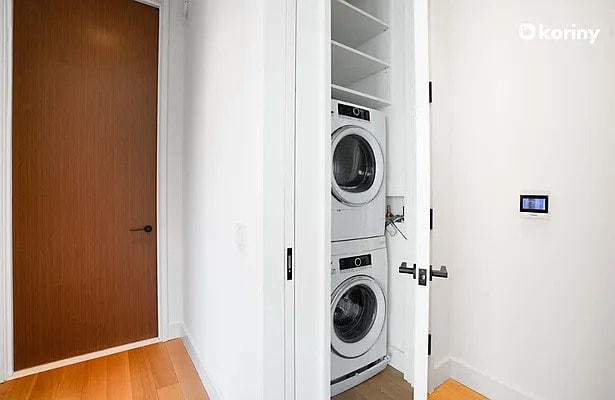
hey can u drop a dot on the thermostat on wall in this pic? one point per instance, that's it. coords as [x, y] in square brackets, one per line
[534, 205]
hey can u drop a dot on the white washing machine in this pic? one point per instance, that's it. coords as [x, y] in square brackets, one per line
[358, 148]
[358, 312]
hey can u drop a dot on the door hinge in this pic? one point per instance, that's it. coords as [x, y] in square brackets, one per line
[429, 344]
[430, 92]
[431, 219]
[289, 264]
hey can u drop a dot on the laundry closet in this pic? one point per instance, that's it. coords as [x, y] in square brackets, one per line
[372, 122]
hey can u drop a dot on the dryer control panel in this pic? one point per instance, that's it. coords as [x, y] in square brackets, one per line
[353, 112]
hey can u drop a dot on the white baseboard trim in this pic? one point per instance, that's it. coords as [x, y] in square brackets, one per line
[85, 357]
[440, 374]
[397, 358]
[176, 330]
[484, 384]
[212, 390]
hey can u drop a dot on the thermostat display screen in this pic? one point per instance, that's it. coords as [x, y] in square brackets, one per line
[534, 204]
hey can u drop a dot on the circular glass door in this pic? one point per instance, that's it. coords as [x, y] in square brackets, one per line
[357, 166]
[358, 313]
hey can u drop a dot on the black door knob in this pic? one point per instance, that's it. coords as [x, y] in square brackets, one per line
[146, 228]
[442, 273]
[403, 269]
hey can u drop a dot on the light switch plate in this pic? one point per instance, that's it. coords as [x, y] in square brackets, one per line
[241, 238]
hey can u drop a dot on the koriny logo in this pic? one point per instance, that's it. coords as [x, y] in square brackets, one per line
[527, 31]
[540, 32]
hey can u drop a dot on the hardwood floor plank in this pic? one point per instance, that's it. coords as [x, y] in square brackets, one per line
[446, 393]
[189, 380]
[462, 391]
[392, 373]
[95, 380]
[350, 395]
[71, 382]
[160, 364]
[46, 385]
[17, 389]
[374, 389]
[161, 371]
[137, 373]
[118, 377]
[453, 390]
[141, 378]
[390, 385]
[173, 392]
[387, 385]
[397, 388]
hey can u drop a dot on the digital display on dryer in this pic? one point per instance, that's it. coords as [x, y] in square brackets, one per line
[353, 112]
[355, 262]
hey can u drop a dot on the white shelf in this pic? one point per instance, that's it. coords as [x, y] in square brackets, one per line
[352, 26]
[349, 65]
[356, 97]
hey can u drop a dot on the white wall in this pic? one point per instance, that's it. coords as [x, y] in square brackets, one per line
[223, 195]
[532, 314]
[397, 297]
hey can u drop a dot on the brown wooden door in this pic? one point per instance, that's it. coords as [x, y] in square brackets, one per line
[84, 173]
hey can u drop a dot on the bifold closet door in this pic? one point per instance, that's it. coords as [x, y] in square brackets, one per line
[85, 91]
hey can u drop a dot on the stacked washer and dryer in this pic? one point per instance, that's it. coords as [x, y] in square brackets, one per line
[358, 250]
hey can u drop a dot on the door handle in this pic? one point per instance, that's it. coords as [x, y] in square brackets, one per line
[146, 229]
[442, 273]
[403, 269]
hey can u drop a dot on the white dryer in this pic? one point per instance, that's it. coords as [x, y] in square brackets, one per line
[358, 148]
[358, 312]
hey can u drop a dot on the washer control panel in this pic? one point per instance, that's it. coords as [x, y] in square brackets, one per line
[355, 262]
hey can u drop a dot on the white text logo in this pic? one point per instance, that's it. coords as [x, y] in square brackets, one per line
[540, 32]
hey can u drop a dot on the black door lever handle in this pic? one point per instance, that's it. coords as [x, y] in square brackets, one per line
[403, 269]
[442, 273]
[146, 228]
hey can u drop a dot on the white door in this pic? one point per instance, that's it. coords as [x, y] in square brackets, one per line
[418, 192]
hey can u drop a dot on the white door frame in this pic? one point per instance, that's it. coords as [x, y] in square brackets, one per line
[289, 197]
[6, 249]
[278, 201]
[313, 198]
[313, 201]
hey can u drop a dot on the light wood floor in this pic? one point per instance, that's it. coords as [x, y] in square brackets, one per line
[390, 385]
[387, 385]
[452, 390]
[164, 371]
[161, 371]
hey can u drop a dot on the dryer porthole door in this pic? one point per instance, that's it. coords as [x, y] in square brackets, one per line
[358, 311]
[357, 170]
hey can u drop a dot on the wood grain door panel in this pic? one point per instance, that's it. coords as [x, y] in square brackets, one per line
[85, 88]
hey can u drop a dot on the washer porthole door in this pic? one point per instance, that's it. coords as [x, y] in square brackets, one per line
[358, 313]
[357, 166]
